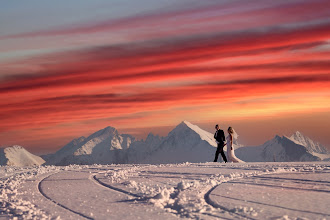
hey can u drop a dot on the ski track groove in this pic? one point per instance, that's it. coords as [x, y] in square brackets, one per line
[57, 203]
[215, 205]
[94, 179]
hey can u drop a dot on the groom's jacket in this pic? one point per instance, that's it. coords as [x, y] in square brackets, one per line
[220, 136]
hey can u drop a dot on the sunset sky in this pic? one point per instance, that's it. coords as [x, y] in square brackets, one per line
[70, 68]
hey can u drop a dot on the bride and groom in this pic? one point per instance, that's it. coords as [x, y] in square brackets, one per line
[222, 141]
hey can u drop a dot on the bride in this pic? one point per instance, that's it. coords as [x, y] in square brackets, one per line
[230, 147]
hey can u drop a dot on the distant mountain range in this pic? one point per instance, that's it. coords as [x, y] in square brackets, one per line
[185, 143]
[284, 149]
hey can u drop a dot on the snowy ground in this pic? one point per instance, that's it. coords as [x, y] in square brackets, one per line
[173, 191]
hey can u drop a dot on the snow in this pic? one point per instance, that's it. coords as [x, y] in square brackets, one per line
[283, 149]
[104, 146]
[313, 147]
[166, 178]
[185, 143]
[18, 156]
[204, 135]
[268, 190]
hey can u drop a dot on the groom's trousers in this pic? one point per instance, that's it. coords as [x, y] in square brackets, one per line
[220, 150]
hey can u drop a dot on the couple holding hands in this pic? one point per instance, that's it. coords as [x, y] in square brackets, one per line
[222, 141]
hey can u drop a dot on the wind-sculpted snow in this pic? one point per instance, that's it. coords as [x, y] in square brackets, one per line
[11, 204]
[169, 191]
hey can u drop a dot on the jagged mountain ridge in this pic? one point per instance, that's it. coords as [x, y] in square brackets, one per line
[185, 143]
[19, 156]
[140, 150]
[104, 146]
[283, 149]
[308, 143]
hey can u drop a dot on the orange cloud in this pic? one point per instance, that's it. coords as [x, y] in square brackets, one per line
[159, 82]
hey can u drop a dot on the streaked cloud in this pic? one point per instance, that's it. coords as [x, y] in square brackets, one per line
[194, 63]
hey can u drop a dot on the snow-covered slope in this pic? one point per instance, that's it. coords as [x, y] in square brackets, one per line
[282, 149]
[185, 143]
[18, 156]
[64, 152]
[140, 150]
[105, 146]
[311, 146]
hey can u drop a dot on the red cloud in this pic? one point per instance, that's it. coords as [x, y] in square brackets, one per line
[142, 81]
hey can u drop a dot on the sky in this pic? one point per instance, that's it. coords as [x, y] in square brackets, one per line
[71, 68]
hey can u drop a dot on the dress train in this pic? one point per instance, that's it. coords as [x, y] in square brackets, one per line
[231, 157]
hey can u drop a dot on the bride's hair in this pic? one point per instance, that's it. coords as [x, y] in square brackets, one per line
[232, 132]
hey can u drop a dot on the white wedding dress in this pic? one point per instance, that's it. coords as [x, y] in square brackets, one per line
[231, 157]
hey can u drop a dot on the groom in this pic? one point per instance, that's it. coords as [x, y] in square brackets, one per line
[220, 139]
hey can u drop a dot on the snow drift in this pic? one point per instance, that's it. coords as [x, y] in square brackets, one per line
[297, 190]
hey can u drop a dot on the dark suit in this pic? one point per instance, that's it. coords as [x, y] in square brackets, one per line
[220, 137]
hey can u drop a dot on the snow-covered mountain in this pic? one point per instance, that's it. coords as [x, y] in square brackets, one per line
[312, 147]
[185, 143]
[18, 156]
[284, 149]
[105, 146]
[140, 150]
[64, 152]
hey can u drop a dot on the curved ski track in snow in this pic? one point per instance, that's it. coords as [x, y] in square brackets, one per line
[276, 181]
[94, 179]
[57, 203]
[188, 190]
[215, 205]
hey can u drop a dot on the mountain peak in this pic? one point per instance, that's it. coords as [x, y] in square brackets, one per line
[185, 128]
[277, 138]
[18, 156]
[191, 126]
[107, 131]
[186, 122]
[14, 147]
[311, 146]
[151, 136]
[298, 133]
